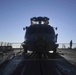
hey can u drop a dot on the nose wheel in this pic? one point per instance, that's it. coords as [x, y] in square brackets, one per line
[25, 48]
[54, 50]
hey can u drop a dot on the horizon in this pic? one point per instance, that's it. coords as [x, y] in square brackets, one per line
[15, 15]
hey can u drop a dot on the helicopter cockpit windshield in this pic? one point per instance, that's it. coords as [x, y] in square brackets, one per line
[34, 22]
[39, 20]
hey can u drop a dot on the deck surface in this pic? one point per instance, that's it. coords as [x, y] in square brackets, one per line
[35, 65]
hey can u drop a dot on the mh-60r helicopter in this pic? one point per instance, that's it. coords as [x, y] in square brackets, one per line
[40, 36]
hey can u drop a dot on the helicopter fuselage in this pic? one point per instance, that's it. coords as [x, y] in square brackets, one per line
[40, 38]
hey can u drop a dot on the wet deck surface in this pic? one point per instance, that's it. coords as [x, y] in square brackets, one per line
[33, 65]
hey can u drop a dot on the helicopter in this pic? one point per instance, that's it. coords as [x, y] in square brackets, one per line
[40, 36]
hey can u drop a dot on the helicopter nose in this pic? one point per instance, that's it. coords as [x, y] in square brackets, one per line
[40, 38]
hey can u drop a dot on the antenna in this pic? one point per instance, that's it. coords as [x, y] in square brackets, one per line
[23, 28]
[56, 28]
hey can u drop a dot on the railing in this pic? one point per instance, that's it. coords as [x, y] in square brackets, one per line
[66, 45]
[18, 45]
[61, 45]
[5, 44]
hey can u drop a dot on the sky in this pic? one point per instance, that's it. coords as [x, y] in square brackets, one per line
[16, 14]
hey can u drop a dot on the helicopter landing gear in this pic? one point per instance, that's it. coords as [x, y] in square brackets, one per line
[55, 51]
[25, 49]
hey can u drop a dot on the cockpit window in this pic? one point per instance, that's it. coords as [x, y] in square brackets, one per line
[41, 22]
[34, 22]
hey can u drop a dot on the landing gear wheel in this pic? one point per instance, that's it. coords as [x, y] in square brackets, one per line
[54, 51]
[25, 49]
